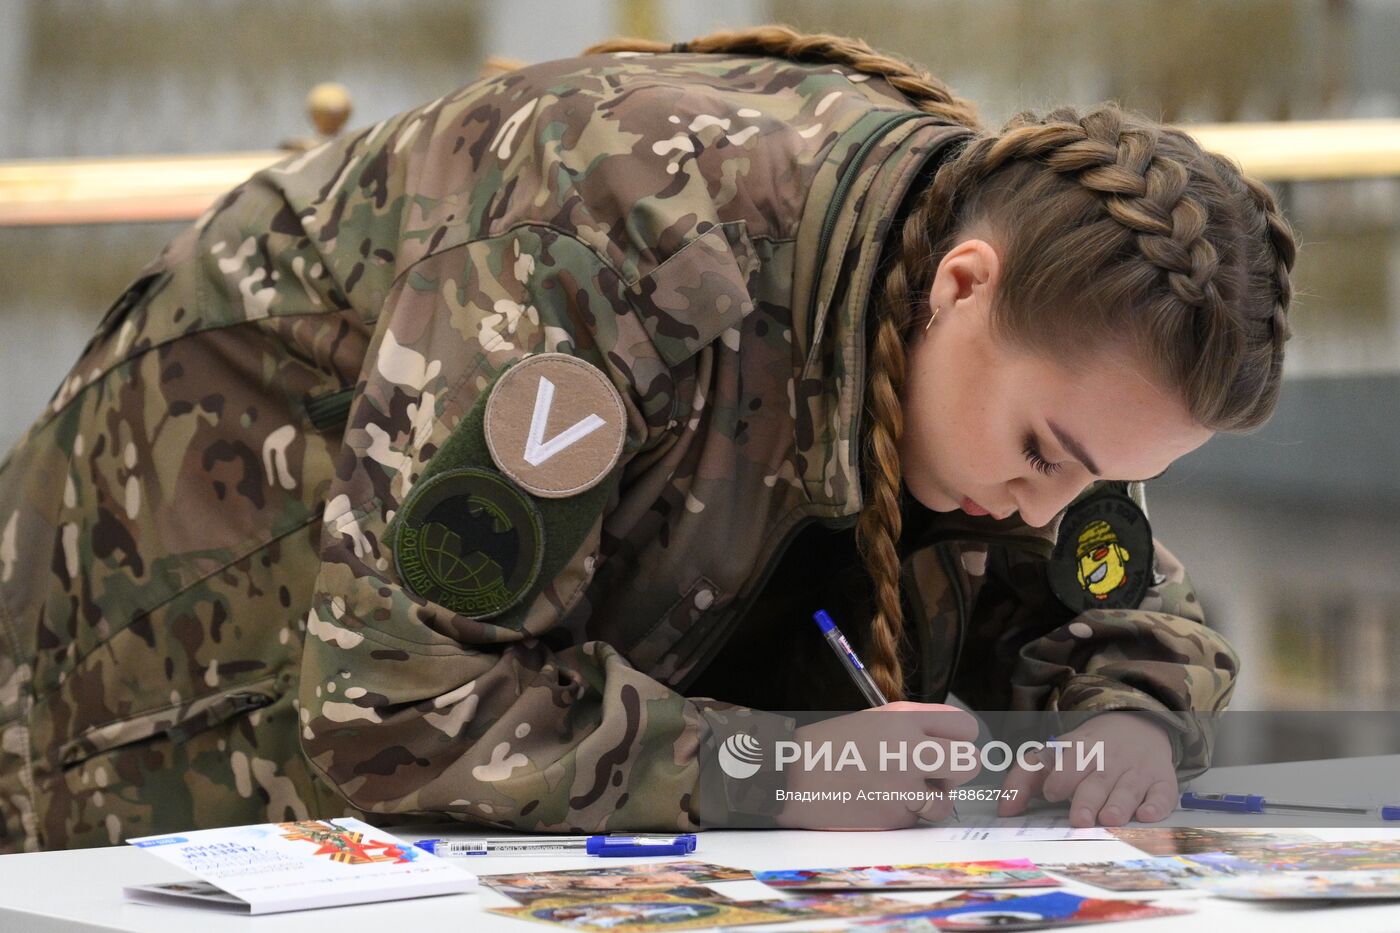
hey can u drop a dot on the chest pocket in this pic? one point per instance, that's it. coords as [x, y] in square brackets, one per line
[698, 292]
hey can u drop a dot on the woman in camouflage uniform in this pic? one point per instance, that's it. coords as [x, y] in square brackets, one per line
[484, 464]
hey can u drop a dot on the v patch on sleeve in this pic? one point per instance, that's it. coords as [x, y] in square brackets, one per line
[478, 541]
[555, 424]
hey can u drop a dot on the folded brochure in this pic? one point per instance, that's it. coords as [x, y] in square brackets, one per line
[272, 867]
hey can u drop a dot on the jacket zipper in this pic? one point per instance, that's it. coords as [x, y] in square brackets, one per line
[959, 598]
[942, 545]
[843, 186]
[330, 410]
[833, 212]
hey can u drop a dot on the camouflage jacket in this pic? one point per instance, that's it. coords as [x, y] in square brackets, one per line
[210, 614]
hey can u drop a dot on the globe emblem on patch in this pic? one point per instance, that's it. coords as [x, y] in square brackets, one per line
[740, 756]
[455, 567]
[470, 541]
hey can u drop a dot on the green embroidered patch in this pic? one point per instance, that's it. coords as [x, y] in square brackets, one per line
[564, 523]
[470, 541]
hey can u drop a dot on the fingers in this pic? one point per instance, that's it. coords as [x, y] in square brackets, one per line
[935, 809]
[1060, 783]
[949, 722]
[1110, 800]
[1124, 799]
[1089, 796]
[1019, 788]
[939, 720]
[1160, 801]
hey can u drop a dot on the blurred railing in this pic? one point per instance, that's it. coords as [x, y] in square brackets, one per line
[142, 189]
[172, 188]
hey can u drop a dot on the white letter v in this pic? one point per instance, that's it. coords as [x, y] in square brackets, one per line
[537, 450]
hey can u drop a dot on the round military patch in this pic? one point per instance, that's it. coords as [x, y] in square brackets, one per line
[469, 541]
[1103, 555]
[555, 424]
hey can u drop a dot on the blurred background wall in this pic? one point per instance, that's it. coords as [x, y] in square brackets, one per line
[1291, 534]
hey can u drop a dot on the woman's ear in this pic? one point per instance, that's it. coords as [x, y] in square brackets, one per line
[967, 273]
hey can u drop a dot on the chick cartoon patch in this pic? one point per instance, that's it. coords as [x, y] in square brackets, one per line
[1103, 554]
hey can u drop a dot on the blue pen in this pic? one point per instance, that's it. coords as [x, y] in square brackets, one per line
[1254, 803]
[601, 846]
[851, 662]
[847, 656]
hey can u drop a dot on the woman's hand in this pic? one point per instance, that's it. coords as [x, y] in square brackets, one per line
[1138, 780]
[874, 731]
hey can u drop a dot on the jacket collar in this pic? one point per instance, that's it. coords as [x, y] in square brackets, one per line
[832, 289]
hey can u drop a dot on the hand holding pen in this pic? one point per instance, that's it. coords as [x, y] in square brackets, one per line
[874, 696]
[896, 794]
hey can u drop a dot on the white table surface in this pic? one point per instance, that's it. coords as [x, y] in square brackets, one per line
[80, 889]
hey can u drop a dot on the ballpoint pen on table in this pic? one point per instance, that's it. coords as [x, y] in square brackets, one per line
[602, 846]
[874, 696]
[1255, 803]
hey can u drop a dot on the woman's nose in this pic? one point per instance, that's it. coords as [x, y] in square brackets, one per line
[1039, 501]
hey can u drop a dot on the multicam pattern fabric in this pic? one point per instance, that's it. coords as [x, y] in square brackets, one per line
[202, 624]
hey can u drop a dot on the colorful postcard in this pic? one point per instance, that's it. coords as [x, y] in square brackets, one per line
[271, 867]
[1377, 855]
[1187, 840]
[528, 887]
[1306, 885]
[976, 911]
[638, 911]
[1163, 873]
[906, 908]
[823, 906]
[1002, 873]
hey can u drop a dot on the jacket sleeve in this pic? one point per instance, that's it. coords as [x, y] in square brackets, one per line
[1159, 658]
[519, 720]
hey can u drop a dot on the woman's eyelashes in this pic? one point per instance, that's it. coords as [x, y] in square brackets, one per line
[1031, 449]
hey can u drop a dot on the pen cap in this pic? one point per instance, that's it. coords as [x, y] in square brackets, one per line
[428, 845]
[824, 621]
[633, 846]
[1224, 803]
[1390, 813]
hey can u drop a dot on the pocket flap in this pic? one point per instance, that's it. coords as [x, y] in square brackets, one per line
[178, 721]
[698, 292]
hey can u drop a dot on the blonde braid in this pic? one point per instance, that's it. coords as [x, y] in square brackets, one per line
[1280, 238]
[779, 41]
[880, 524]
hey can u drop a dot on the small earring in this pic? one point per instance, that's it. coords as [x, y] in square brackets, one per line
[931, 317]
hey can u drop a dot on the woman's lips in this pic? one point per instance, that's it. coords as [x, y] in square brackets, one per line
[972, 508]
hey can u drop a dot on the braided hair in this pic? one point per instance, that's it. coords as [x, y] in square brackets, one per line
[1119, 237]
[923, 90]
